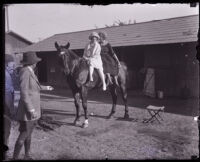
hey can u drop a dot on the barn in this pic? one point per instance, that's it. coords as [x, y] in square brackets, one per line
[168, 46]
[13, 43]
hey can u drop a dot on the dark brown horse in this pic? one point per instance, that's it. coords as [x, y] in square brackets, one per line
[76, 71]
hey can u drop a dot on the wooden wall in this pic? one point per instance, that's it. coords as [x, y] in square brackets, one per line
[12, 44]
[175, 67]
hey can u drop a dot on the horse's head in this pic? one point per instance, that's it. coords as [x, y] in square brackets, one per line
[63, 53]
[67, 58]
[62, 50]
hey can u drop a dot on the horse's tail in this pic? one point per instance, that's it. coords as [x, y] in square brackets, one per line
[125, 69]
[126, 73]
[124, 66]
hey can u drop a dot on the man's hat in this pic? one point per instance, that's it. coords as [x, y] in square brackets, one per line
[94, 34]
[30, 58]
[9, 58]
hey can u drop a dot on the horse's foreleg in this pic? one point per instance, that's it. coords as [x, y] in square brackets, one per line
[77, 105]
[124, 97]
[84, 103]
[113, 91]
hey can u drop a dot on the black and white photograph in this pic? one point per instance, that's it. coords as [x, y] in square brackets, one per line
[101, 82]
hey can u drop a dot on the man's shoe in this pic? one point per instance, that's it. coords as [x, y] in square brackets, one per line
[28, 157]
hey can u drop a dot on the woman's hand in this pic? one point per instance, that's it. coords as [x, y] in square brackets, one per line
[33, 114]
[88, 61]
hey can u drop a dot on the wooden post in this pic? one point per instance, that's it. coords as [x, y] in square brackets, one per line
[7, 17]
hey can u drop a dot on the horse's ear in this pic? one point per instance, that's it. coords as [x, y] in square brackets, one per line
[56, 45]
[67, 45]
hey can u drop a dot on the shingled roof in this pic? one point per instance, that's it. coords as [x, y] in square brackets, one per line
[19, 37]
[173, 30]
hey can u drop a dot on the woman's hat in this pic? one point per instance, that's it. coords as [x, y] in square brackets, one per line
[103, 34]
[30, 58]
[94, 34]
[9, 58]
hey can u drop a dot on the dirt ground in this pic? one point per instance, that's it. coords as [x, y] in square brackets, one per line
[175, 138]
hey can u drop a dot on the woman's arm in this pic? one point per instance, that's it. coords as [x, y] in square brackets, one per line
[112, 53]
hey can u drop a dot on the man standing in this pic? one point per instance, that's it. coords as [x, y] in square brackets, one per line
[9, 98]
[29, 110]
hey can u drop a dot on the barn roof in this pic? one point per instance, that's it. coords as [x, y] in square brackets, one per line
[173, 30]
[19, 37]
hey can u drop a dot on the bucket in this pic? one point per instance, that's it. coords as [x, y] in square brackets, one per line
[160, 94]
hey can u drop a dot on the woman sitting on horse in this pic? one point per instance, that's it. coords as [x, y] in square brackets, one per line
[92, 54]
[111, 63]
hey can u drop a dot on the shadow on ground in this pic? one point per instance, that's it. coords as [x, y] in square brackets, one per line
[51, 120]
[187, 107]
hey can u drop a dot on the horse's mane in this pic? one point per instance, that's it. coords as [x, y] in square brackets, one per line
[73, 62]
[73, 55]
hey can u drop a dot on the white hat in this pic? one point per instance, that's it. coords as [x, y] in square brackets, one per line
[94, 34]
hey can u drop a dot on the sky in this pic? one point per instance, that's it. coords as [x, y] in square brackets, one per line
[36, 22]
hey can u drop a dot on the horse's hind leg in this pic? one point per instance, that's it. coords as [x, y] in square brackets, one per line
[84, 92]
[124, 97]
[113, 91]
[77, 105]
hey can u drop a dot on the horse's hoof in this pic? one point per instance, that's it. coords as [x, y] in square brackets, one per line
[126, 116]
[77, 123]
[110, 116]
[85, 125]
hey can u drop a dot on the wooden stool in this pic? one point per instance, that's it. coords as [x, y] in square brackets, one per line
[154, 111]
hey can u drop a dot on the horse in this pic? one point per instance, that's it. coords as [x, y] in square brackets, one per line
[76, 71]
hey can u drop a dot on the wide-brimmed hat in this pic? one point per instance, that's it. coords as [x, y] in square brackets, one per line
[30, 58]
[9, 58]
[94, 34]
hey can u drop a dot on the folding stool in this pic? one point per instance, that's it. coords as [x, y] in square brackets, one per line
[154, 111]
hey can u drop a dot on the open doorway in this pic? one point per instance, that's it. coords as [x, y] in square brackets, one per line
[134, 59]
[42, 69]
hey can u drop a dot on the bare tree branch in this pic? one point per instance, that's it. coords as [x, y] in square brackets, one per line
[121, 23]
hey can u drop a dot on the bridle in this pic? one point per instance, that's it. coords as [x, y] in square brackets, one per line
[62, 53]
